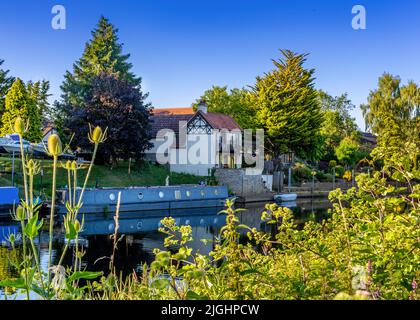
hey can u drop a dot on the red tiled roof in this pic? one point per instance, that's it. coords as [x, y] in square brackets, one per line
[173, 111]
[167, 121]
[170, 118]
[220, 121]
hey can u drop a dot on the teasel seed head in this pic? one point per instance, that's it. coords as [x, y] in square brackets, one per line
[54, 145]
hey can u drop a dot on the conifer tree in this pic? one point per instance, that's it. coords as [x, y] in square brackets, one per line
[288, 107]
[19, 103]
[5, 83]
[102, 54]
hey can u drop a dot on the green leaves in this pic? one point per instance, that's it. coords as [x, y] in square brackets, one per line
[33, 226]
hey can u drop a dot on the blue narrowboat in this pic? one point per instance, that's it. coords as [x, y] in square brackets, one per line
[148, 199]
[9, 197]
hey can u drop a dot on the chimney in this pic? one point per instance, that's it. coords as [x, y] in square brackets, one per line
[202, 106]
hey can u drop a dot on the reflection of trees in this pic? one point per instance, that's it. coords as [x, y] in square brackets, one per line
[6, 256]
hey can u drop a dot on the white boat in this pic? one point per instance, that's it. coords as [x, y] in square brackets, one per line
[11, 143]
[285, 197]
[37, 149]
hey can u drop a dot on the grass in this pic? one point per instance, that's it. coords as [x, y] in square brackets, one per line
[102, 176]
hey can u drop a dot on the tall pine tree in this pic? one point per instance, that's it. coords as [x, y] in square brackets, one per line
[19, 103]
[5, 83]
[288, 107]
[102, 54]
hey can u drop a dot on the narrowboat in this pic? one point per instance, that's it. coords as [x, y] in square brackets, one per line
[148, 199]
[9, 197]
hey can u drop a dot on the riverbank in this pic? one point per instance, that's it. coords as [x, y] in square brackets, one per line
[102, 176]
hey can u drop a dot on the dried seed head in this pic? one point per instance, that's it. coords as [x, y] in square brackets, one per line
[55, 148]
[74, 165]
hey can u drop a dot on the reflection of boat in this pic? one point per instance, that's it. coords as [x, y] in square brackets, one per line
[285, 197]
[148, 198]
[136, 222]
[6, 231]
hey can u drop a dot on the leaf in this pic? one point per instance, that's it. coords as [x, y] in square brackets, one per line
[160, 284]
[191, 295]
[88, 275]
[17, 283]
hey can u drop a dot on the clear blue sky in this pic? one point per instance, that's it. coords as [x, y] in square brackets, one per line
[182, 47]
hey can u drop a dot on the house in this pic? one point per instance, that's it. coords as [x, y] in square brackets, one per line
[47, 131]
[194, 142]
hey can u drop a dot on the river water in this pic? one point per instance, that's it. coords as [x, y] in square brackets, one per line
[140, 235]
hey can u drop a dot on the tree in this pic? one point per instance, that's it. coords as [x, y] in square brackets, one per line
[338, 124]
[288, 107]
[348, 152]
[393, 113]
[5, 83]
[235, 103]
[19, 103]
[119, 106]
[38, 91]
[103, 53]
[391, 100]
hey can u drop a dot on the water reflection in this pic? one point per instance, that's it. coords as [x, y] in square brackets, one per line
[141, 235]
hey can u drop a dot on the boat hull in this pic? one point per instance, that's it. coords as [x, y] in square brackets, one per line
[150, 199]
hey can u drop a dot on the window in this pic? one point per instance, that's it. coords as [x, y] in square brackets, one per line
[112, 197]
[161, 194]
[188, 193]
[203, 193]
[177, 194]
[140, 195]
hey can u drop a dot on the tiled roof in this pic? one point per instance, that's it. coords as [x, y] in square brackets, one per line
[167, 121]
[172, 111]
[170, 118]
[220, 121]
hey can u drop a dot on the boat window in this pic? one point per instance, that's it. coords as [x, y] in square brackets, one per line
[188, 193]
[177, 194]
[203, 193]
[112, 197]
[140, 195]
[216, 192]
[161, 194]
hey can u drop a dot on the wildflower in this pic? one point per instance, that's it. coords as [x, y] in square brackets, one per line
[19, 127]
[54, 145]
[20, 213]
[97, 136]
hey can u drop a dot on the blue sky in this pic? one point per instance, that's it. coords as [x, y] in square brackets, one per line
[182, 47]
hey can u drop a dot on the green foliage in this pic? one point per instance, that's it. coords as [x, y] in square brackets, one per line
[20, 104]
[288, 107]
[6, 82]
[236, 103]
[338, 124]
[119, 106]
[393, 113]
[348, 152]
[38, 91]
[102, 54]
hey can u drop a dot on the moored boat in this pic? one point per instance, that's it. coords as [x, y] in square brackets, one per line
[9, 197]
[134, 199]
[285, 197]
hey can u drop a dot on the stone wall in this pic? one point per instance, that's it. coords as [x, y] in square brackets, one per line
[240, 183]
